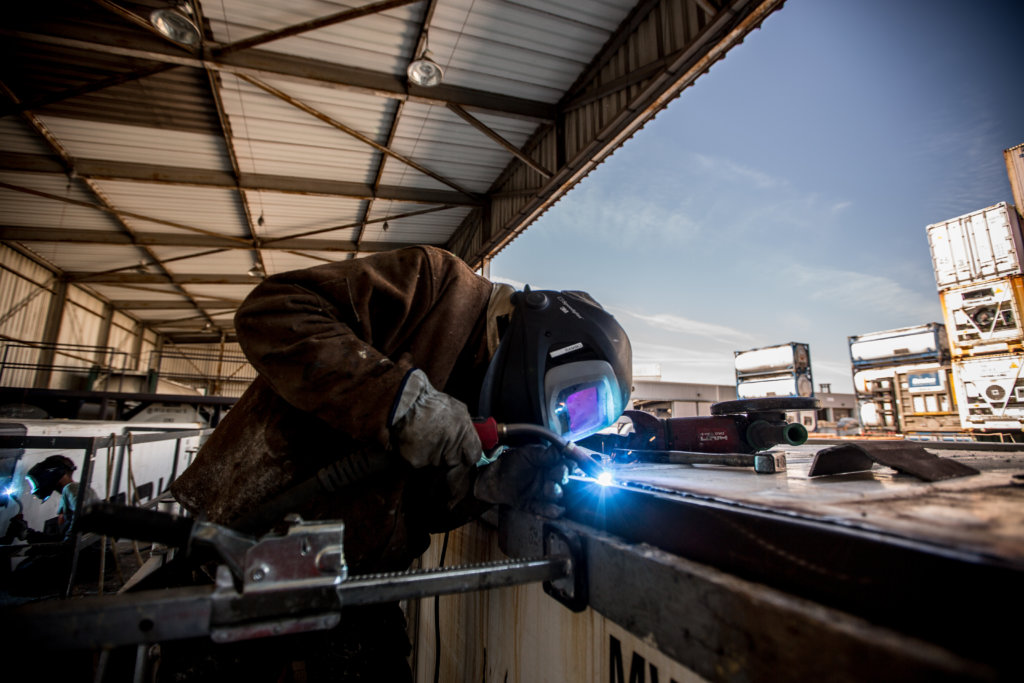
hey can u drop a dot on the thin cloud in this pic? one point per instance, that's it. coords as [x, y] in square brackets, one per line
[666, 322]
[729, 170]
[858, 293]
[626, 220]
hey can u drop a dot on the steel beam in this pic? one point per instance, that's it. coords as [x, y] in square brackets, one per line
[14, 233]
[99, 169]
[312, 24]
[281, 67]
[155, 278]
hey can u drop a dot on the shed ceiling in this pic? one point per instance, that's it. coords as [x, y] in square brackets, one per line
[166, 179]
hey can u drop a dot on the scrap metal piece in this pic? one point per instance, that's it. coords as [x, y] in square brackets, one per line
[903, 456]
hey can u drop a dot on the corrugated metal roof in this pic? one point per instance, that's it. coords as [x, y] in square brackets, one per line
[145, 171]
[140, 144]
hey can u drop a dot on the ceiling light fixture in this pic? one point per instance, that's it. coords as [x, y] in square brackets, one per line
[174, 23]
[257, 271]
[423, 70]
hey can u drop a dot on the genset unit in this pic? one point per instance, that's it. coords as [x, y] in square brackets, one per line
[990, 390]
[774, 371]
[985, 318]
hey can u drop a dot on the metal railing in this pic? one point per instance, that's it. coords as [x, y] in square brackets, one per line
[67, 366]
[214, 374]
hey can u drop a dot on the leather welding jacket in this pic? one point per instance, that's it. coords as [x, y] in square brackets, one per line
[332, 345]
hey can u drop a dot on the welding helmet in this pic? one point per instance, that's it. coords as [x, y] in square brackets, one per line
[563, 363]
[45, 476]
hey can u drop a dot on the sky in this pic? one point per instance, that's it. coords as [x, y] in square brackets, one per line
[784, 197]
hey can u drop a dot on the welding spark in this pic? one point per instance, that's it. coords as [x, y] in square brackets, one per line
[605, 478]
[10, 490]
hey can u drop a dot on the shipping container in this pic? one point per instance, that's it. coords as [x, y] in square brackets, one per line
[773, 359]
[783, 384]
[925, 401]
[921, 343]
[1015, 170]
[139, 472]
[985, 318]
[783, 370]
[878, 394]
[975, 247]
[990, 391]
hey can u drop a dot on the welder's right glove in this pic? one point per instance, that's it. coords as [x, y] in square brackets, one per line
[529, 477]
[429, 427]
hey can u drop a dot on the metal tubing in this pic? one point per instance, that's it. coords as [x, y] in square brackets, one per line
[83, 486]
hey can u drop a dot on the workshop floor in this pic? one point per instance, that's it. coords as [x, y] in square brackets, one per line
[119, 566]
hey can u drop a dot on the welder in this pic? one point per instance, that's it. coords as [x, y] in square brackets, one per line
[385, 360]
[47, 564]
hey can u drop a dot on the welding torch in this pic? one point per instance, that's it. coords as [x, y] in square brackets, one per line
[492, 433]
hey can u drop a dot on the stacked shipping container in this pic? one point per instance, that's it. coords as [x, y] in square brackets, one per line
[977, 261]
[901, 379]
[783, 371]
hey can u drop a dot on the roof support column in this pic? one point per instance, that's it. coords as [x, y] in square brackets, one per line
[51, 333]
[103, 338]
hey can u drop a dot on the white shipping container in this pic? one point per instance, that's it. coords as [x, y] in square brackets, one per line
[978, 246]
[890, 346]
[776, 385]
[990, 391]
[790, 356]
[152, 464]
[984, 318]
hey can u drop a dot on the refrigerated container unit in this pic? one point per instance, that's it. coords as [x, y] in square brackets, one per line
[901, 346]
[985, 318]
[990, 392]
[979, 246]
[925, 401]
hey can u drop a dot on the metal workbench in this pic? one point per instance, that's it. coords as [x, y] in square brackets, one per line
[871, 574]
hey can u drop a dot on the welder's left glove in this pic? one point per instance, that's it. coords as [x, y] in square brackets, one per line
[429, 427]
[529, 477]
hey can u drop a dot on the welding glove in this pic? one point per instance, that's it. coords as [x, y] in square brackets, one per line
[530, 478]
[429, 427]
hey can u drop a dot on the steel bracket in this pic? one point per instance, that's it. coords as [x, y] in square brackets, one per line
[570, 590]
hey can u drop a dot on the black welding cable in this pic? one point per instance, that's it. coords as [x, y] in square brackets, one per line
[437, 616]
